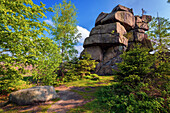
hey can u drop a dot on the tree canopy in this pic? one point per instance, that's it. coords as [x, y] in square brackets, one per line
[65, 28]
[159, 33]
[20, 41]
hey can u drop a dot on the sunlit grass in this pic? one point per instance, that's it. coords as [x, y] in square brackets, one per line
[91, 107]
[103, 81]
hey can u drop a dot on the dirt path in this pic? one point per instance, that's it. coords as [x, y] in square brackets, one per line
[68, 99]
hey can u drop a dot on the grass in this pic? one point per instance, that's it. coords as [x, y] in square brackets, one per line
[104, 81]
[85, 95]
[91, 107]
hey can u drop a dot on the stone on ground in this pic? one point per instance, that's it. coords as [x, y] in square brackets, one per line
[33, 95]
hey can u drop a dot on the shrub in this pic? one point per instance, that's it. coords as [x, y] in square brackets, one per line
[92, 77]
[142, 84]
[86, 65]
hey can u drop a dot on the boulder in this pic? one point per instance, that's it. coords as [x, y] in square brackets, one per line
[138, 19]
[95, 52]
[126, 18]
[147, 43]
[105, 40]
[140, 30]
[146, 18]
[100, 17]
[107, 68]
[33, 95]
[142, 25]
[134, 36]
[108, 28]
[113, 52]
[122, 8]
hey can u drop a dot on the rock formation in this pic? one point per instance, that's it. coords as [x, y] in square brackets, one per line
[114, 33]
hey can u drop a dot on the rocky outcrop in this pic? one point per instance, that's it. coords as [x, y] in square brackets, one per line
[114, 33]
[33, 95]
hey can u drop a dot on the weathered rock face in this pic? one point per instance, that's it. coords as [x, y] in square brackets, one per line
[105, 40]
[108, 28]
[33, 95]
[114, 33]
[124, 17]
[95, 52]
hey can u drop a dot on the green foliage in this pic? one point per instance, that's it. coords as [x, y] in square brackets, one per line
[47, 63]
[138, 102]
[7, 85]
[71, 73]
[20, 46]
[136, 66]
[77, 69]
[65, 29]
[159, 33]
[92, 77]
[86, 65]
[142, 84]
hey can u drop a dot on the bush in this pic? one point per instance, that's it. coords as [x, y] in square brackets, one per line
[116, 100]
[86, 65]
[92, 77]
[77, 69]
[142, 84]
[14, 85]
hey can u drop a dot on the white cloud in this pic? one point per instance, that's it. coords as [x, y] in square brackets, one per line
[50, 22]
[79, 49]
[84, 33]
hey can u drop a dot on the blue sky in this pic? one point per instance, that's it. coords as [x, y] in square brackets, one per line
[88, 10]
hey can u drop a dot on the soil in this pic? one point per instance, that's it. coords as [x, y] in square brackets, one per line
[68, 99]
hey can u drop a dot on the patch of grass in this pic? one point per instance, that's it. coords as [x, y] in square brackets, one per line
[44, 108]
[1, 110]
[87, 89]
[10, 111]
[104, 81]
[85, 95]
[91, 107]
[55, 100]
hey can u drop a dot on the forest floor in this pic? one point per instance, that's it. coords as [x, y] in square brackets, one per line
[74, 97]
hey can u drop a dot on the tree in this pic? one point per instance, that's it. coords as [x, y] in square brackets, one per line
[168, 1]
[47, 63]
[136, 66]
[159, 33]
[85, 65]
[65, 29]
[19, 38]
